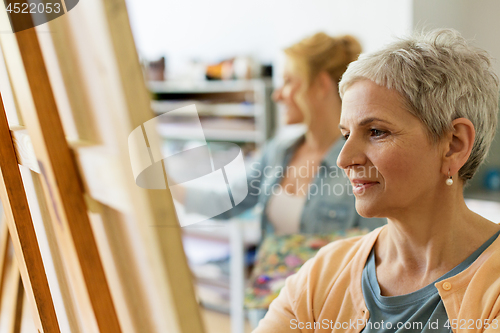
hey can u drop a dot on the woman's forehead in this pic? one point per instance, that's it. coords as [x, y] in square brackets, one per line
[367, 99]
[290, 67]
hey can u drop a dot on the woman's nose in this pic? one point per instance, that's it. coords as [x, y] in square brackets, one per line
[351, 155]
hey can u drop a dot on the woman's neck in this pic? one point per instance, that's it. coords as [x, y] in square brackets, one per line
[322, 128]
[429, 240]
[320, 141]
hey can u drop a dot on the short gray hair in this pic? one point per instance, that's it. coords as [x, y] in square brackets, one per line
[441, 78]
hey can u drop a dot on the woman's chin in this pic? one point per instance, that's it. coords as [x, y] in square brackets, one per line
[292, 120]
[367, 210]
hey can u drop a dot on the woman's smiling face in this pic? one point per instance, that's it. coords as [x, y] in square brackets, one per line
[388, 156]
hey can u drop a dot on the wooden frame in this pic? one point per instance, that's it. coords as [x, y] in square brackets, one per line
[22, 232]
[78, 92]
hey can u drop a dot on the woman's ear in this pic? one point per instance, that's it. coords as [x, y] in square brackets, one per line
[458, 145]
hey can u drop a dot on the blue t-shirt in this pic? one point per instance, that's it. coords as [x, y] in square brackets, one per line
[420, 311]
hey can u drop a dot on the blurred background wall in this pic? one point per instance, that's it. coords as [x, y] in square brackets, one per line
[184, 31]
[210, 30]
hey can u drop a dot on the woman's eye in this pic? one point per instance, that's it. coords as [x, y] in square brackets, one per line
[377, 132]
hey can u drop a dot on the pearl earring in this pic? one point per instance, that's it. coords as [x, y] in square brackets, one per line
[449, 181]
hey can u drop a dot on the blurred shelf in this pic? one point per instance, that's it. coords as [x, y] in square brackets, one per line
[213, 297]
[218, 307]
[218, 322]
[186, 132]
[160, 87]
[207, 109]
[222, 282]
[217, 230]
[232, 111]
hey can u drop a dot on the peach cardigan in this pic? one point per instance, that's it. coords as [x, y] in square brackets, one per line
[326, 295]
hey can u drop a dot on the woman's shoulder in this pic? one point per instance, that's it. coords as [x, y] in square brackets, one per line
[343, 248]
[330, 264]
[335, 257]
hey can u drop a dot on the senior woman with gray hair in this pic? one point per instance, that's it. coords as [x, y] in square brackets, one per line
[418, 117]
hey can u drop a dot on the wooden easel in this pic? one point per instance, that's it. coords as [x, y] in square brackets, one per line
[11, 289]
[72, 91]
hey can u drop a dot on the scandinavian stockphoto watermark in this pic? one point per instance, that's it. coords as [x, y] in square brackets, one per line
[321, 179]
[26, 14]
[196, 167]
[190, 166]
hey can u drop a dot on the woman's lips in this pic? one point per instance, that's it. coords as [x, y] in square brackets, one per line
[360, 187]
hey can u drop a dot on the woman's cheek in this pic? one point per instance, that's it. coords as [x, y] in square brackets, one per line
[406, 171]
[393, 164]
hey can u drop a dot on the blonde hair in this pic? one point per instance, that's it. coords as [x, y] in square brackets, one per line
[441, 78]
[321, 52]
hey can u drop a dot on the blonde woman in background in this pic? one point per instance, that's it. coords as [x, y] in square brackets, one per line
[296, 180]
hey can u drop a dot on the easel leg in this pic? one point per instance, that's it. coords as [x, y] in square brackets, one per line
[16, 315]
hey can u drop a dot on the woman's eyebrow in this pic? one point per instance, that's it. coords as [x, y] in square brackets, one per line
[366, 121]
